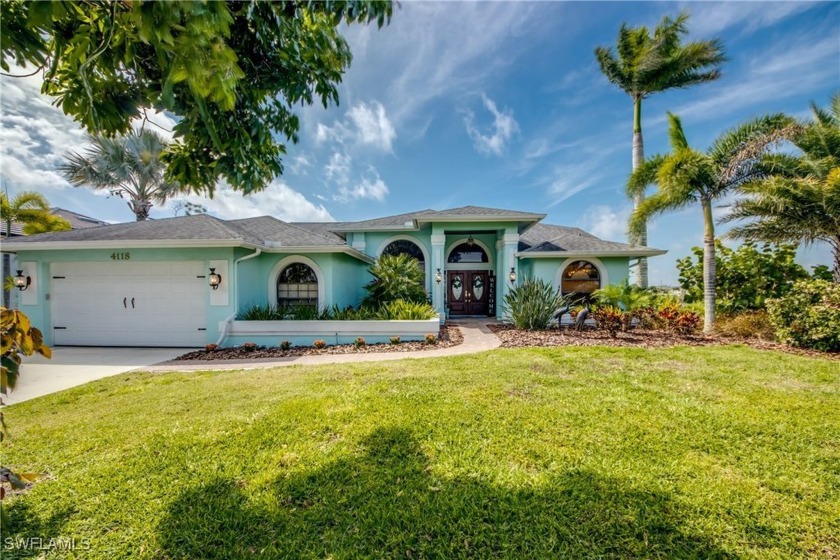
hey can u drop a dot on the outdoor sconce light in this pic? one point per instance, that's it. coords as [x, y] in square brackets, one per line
[470, 241]
[22, 282]
[438, 276]
[512, 275]
[214, 279]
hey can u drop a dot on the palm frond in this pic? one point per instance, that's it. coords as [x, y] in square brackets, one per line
[654, 205]
[644, 176]
[676, 133]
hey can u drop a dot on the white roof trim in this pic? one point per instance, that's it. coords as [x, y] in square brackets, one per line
[479, 218]
[583, 254]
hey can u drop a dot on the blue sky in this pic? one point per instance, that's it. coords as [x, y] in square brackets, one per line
[496, 104]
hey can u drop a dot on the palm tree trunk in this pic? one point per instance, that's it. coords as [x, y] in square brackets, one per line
[638, 159]
[835, 249]
[708, 266]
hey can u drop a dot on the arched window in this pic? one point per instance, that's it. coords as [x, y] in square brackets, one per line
[468, 253]
[580, 278]
[297, 285]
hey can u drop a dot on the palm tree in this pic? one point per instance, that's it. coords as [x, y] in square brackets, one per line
[650, 64]
[46, 224]
[687, 176]
[127, 166]
[27, 207]
[800, 201]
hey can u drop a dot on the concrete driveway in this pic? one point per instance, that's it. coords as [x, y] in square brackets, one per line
[72, 366]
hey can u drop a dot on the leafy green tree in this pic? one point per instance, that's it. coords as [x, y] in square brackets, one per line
[744, 277]
[229, 72]
[395, 277]
[127, 166]
[799, 199]
[687, 176]
[651, 63]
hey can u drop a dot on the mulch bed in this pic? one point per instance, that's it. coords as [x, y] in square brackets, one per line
[447, 337]
[568, 336]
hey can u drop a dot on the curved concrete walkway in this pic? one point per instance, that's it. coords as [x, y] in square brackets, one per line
[477, 338]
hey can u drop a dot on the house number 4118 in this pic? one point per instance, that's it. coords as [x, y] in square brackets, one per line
[120, 256]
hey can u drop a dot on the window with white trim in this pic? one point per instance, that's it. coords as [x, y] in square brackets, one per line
[297, 286]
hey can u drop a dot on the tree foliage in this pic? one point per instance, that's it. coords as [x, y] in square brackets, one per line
[744, 277]
[808, 316]
[127, 166]
[798, 199]
[395, 277]
[25, 208]
[17, 338]
[230, 72]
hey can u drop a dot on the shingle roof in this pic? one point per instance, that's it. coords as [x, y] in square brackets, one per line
[399, 220]
[550, 238]
[273, 231]
[197, 227]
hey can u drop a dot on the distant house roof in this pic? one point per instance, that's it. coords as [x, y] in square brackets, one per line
[537, 240]
[77, 221]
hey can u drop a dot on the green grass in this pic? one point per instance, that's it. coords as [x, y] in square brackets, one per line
[708, 452]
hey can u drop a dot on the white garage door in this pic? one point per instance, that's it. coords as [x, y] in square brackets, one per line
[129, 303]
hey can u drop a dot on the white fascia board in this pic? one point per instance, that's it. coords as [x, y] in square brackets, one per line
[583, 254]
[319, 249]
[412, 227]
[13, 247]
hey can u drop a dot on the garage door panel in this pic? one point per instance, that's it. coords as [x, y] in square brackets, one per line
[93, 303]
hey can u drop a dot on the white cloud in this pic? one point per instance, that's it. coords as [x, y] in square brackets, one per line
[365, 125]
[372, 125]
[604, 222]
[278, 200]
[371, 188]
[503, 128]
[338, 169]
[300, 164]
[713, 17]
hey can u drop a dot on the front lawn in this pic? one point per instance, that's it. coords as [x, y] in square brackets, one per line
[516, 453]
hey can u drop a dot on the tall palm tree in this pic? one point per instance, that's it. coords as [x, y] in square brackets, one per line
[687, 176]
[128, 166]
[800, 201]
[649, 64]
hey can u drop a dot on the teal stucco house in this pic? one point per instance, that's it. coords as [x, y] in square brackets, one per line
[149, 283]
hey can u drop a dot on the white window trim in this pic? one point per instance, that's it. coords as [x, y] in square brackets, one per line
[283, 263]
[468, 266]
[602, 271]
[427, 261]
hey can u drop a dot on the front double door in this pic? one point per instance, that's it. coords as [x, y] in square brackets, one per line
[468, 292]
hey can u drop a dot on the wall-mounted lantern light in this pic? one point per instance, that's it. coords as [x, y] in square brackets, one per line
[438, 276]
[214, 279]
[470, 240]
[22, 282]
[512, 275]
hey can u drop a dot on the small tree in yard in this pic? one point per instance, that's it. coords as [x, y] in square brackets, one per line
[395, 277]
[17, 338]
[531, 304]
[622, 299]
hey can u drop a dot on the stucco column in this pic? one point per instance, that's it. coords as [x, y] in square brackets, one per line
[510, 246]
[438, 243]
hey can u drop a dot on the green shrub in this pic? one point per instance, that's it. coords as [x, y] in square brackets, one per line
[285, 345]
[431, 339]
[531, 304]
[751, 324]
[401, 310]
[808, 316]
[610, 318]
[359, 342]
[395, 277]
[394, 340]
[319, 344]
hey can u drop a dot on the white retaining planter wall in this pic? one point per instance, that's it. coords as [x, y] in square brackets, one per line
[304, 333]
